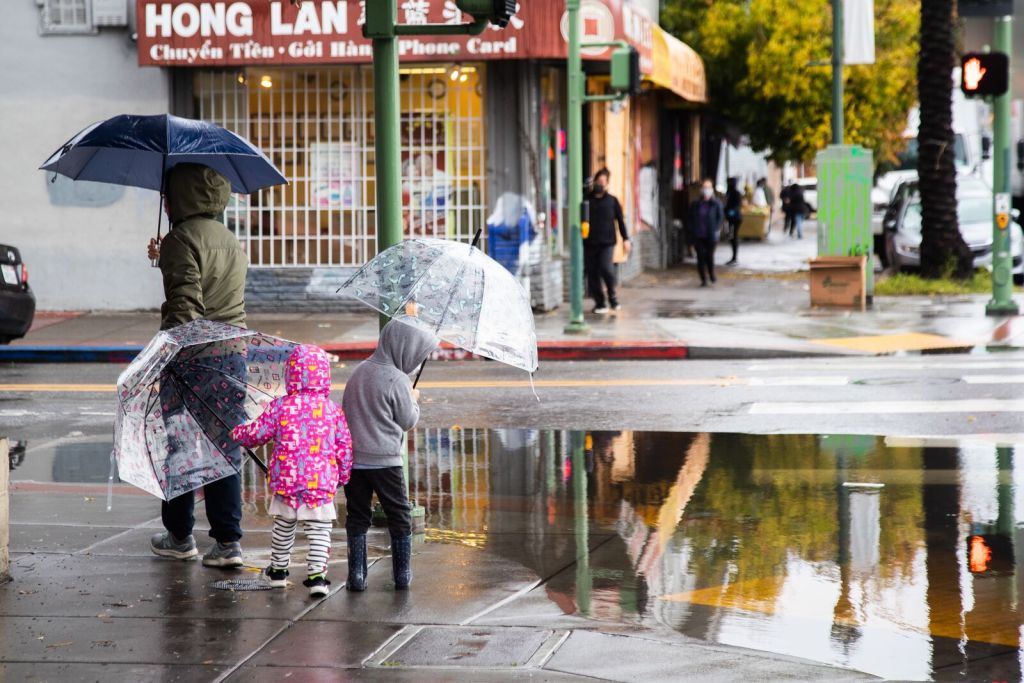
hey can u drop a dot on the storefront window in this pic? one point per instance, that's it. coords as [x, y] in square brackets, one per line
[317, 126]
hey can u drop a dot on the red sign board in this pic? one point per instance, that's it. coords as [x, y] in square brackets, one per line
[242, 32]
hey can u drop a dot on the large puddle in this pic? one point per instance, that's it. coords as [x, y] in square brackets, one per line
[893, 557]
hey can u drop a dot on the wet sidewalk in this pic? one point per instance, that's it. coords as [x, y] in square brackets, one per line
[533, 567]
[757, 309]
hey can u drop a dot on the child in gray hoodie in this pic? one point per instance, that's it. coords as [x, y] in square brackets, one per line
[381, 406]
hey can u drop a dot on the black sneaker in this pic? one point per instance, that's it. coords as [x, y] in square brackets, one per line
[317, 585]
[278, 578]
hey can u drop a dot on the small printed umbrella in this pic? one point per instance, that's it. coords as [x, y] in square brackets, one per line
[139, 150]
[455, 291]
[180, 398]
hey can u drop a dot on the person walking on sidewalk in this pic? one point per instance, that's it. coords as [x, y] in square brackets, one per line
[599, 246]
[706, 216]
[787, 208]
[798, 206]
[312, 455]
[381, 406]
[734, 215]
[203, 268]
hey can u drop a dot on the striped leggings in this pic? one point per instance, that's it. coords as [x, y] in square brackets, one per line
[319, 536]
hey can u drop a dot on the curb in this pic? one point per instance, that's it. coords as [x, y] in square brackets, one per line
[351, 351]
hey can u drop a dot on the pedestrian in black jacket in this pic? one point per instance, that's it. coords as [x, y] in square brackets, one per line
[706, 216]
[733, 214]
[599, 245]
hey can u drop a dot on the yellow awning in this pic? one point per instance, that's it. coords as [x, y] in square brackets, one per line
[677, 67]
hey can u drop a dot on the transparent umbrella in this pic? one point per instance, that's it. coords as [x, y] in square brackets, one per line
[455, 291]
[180, 398]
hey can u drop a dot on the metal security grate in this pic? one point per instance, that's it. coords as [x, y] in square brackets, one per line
[242, 585]
[317, 126]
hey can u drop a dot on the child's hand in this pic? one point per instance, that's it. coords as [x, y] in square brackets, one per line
[154, 249]
[416, 395]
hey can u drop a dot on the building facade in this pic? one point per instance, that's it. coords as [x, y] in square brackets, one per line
[481, 117]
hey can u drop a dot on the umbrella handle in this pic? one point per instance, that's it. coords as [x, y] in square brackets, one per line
[262, 465]
[417, 380]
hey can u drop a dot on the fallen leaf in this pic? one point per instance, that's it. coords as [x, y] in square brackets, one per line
[52, 646]
[971, 418]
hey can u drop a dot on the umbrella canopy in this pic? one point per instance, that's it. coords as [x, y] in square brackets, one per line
[180, 398]
[139, 150]
[455, 291]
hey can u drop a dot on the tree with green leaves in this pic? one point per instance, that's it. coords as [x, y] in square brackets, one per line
[768, 74]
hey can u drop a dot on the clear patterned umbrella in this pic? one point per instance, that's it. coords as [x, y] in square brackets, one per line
[455, 291]
[180, 398]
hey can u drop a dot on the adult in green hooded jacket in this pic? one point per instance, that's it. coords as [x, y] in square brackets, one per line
[203, 269]
[203, 264]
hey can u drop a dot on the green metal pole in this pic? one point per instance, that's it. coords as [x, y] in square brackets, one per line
[381, 18]
[1002, 260]
[574, 68]
[837, 72]
[582, 519]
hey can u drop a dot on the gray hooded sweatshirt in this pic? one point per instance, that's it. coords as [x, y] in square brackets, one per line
[378, 401]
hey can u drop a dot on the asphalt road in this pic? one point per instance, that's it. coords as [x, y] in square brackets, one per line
[910, 395]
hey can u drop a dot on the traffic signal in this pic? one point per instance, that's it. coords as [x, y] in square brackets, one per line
[984, 8]
[498, 12]
[625, 70]
[984, 74]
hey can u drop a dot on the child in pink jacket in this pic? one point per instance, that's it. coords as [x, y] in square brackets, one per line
[312, 455]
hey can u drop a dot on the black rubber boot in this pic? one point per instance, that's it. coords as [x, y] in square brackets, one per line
[401, 561]
[356, 563]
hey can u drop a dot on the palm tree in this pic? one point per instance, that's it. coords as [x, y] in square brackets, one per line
[941, 242]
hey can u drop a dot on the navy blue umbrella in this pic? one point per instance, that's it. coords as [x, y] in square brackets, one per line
[139, 150]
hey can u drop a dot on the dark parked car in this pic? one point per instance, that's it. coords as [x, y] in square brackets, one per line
[17, 302]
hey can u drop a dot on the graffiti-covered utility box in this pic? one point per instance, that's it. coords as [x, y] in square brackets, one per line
[844, 205]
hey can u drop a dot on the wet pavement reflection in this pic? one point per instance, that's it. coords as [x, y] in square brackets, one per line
[894, 560]
[895, 557]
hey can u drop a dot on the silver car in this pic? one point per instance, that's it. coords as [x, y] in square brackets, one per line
[974, 211]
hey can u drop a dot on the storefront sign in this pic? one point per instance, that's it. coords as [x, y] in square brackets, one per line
[243, 32]
[248, 32]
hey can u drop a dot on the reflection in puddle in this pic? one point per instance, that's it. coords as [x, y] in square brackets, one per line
[898, 561]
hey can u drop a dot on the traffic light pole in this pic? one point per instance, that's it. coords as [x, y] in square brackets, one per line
[1002, 302]
[837, 72]
[574, 78]
[383, 29]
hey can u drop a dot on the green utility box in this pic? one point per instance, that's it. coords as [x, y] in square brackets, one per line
[844, 205]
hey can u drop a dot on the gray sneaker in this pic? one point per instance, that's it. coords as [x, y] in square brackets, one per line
[166, 545]
[224, 555]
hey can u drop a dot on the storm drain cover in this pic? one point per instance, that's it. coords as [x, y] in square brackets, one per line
[447, 647]
[242, 585]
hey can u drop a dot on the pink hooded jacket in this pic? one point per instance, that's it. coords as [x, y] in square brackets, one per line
[312, 444]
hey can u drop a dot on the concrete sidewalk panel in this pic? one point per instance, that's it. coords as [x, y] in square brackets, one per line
[130, 641]
[451, 583]
[628, 659]
[470, 647]
[51, 538]
[274, 674]
[80, 671]
[333, 644]
[109, 587]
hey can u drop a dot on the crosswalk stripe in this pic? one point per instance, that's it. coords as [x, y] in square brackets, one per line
[993, 379]
[981, 405]
[887, 364]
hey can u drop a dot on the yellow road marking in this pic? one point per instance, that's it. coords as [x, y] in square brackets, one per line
[890, 343]
[462, 384]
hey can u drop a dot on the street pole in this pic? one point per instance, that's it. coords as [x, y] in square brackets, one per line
[383, 29]
[1002, 260]
[837, 72]
[574, 68]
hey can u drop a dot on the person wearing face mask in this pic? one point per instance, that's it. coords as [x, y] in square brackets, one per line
[706, 216]
[599, 245]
